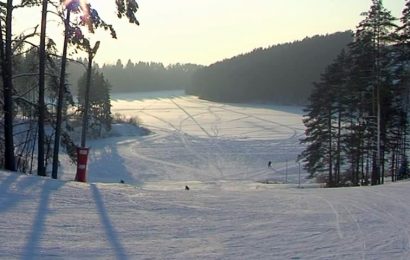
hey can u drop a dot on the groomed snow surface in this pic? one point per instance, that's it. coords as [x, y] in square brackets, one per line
[221, 152]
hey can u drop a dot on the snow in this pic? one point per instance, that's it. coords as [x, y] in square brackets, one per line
[221, 152]
[197, 140]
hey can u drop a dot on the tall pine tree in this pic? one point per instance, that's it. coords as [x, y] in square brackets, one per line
[355, 113]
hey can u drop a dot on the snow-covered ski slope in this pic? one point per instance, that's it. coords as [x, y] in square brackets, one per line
[47, 219]
[221, 152]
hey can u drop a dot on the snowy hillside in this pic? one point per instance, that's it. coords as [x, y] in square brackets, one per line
[221, 152]
[47, 219]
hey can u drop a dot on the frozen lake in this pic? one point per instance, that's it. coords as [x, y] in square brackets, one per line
[198, 140]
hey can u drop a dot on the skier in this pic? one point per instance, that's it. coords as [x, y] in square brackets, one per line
[269, 164]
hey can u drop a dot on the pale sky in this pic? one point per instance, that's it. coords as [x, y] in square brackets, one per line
[203, 32]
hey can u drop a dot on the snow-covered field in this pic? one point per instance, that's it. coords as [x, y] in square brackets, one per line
[196, 140]
[221, 152]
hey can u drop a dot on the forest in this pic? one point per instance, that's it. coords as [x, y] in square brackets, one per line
[39, 112]
[139, 76]
[282, 73]
[357, 119]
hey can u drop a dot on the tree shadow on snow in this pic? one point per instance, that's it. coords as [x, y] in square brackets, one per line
[111, 233]
[10, 198]
[107, 165]
[39, 224]
[7, 198]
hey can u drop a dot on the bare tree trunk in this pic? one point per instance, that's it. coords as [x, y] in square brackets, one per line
[338, 158]
[393, 164]
[41, 170]
[91, 54]
[60, 100]
[87, 100]
[7, 70]
[331, 181]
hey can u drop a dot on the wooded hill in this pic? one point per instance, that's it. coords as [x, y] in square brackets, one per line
[141, 76]
[282, 73]
[144, 76]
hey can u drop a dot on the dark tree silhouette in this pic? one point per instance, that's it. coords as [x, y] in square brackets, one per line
[363, 121]
[283, 73]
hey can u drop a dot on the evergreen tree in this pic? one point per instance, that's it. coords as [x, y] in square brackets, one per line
[378, 25]
[360, 119]
[323, 123]
[99, 100]
[404, 32]
[401, 95]
[362, 106]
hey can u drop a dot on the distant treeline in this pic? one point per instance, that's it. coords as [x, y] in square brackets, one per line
[141, 76]
[283, 73]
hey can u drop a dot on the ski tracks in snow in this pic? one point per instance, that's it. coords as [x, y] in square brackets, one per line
[343, 217]
[370, 220]
[399, 226]
[183, 136]
[219, 141]
[214, 162]
[337, 216]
